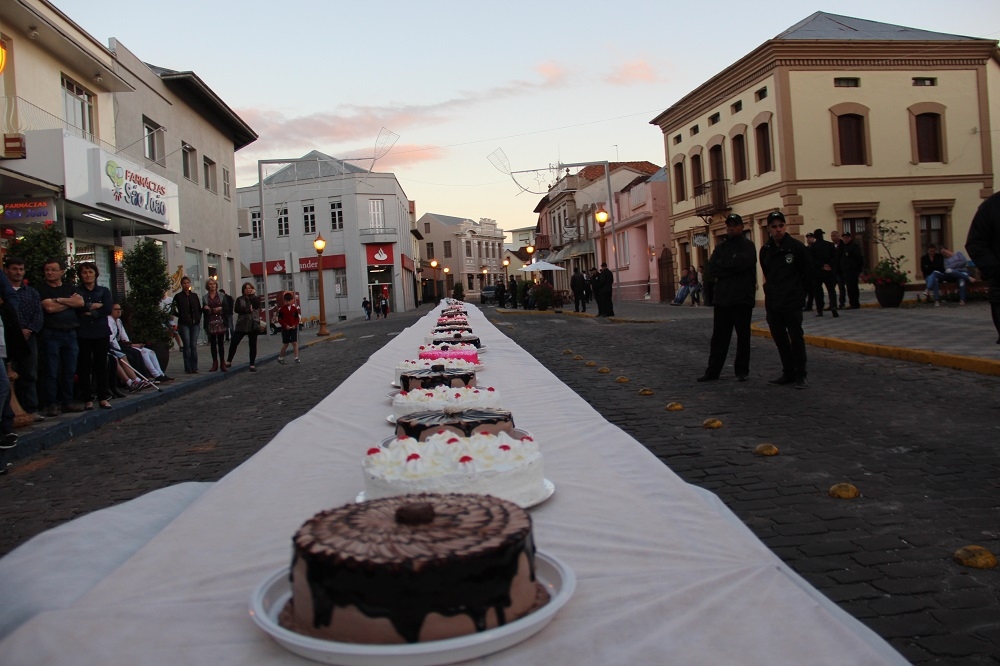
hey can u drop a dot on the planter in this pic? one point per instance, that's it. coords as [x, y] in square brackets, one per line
[889, 295]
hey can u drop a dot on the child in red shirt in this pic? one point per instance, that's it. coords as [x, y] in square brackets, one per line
[288, 319]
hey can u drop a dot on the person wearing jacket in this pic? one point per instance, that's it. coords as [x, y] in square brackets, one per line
[733, 264]
[93, 337]
[788, 273]
[983, 246]
[187, 307]
[824, 256]
[852, 262]
[932, 268]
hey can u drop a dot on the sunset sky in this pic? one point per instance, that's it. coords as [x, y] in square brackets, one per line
[545, 82]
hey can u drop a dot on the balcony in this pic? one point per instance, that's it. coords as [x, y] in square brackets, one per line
[711, 197]
[20, 116]
[378, 235]
[542, 242]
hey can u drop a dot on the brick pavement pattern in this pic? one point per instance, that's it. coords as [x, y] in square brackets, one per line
[920, 443]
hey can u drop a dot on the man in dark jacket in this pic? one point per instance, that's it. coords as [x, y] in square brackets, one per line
[187, 307]
[734, 266]
[605, 293]
[983, 246]
[788, 272]
[851, 263]
[578, 284]
[824, 256]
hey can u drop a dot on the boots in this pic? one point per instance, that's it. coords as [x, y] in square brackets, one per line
[215, 366]
[223, 366]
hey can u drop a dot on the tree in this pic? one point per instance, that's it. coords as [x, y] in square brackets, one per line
[146, 272]
[38, 244]
[458, 292]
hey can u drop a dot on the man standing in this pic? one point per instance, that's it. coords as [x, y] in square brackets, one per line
[605, 293]
[983, 246]
[733, 264]
[501, 296]
[838, 243]
[513, 292]
[578, 284]
[852, 262]
[824, 256]
[187, 307]
[59, 302]
[788, 273]
[810, 241]
[29, 312]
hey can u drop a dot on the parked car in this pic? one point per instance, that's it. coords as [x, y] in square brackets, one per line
[488, 295]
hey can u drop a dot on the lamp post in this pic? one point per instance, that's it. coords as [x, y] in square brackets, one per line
[601, 216]
[434, 279]
[320, 245]
[506, 263]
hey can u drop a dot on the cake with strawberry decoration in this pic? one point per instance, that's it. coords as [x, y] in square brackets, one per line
[425, 364]
[444, 398]
[499, 465]
[468, 422]
[461, 351]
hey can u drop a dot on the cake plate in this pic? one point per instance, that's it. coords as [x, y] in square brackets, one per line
[273, 593]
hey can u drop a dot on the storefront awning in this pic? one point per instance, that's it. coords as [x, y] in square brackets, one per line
[572, 251]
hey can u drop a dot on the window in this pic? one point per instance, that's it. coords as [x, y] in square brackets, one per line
[851, 141]
[760, 94]
[694, 130]
[258, 285]
[739, 158]
[680, 189]
[471, 287]
[846, 82]
[624, 253]
[762, 137]
[188, 157]
[210, 178]
[714, 118]
[924, 81]
[287, 281]
[312, 281]
[677, 139]
[78, 103]
[717, 168]
[430, 251]
[697, 176]
[152, 140]
[336, 214]
[447, 249]
[427, 227]
[468, 248]
[932, 229]
[255, 228]
[376, 216]
[308, 218]
[226, 187]
[929, 137]
[340, 282]
[282, 222]
[736, 106]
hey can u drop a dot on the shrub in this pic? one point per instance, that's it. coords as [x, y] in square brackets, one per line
[146, 271]
[40, 243]
[458, 292]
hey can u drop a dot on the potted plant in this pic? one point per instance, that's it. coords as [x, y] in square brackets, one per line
[543, 295]
[145, 315]
[38, 244]
[888, 277]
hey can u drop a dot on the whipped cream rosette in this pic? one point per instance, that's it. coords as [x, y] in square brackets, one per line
[444, 398]
[410, 365]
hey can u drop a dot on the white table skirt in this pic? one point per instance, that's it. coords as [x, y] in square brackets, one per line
[666, 574]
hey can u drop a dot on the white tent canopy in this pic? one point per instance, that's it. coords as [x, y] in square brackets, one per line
[542, 266]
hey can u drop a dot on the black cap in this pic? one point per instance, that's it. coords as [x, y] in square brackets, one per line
[775, 215]
[810, 235]
[846, 233]
[818, 233]
[734, 220]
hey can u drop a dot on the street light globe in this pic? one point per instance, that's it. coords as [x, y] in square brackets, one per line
[485, 271]
[529, 249]
[319, 244]
[601, 215]
[446, 269]
[434, 263]
[506, 263]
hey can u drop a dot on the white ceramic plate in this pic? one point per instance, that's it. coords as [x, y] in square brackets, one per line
[393, 384]
[392, 394]
[271, 595]
[391, 419]
[550, 490]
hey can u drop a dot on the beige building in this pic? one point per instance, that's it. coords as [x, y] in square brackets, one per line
[838, 122]
[472, 252]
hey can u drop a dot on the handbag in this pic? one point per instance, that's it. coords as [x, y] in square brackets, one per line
[216, 325]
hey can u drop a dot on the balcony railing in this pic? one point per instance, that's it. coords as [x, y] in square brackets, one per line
[20, 116]
[377, 231]
[711, 197]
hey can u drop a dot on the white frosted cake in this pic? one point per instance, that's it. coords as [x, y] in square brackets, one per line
[498, 465]
[444, 398]
[426, 364]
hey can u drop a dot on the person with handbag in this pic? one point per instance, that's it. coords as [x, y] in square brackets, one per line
[248, 324]
[211, 305]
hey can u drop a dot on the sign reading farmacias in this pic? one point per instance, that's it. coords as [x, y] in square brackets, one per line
[136, 190]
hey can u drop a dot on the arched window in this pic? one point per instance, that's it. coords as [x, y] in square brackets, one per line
[851, 142]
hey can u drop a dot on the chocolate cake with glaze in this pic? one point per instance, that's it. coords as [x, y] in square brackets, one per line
[467, 338]
[466, 422]
[436, 375]
[412, 568]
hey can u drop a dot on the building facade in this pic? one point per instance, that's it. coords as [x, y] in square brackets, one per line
[65, 100]
[838, 122]
[365, 219]
[472, 252]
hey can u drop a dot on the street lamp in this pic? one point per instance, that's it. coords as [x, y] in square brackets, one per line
[506, 263]
[530, 250]
[320, 245]
[601, 216]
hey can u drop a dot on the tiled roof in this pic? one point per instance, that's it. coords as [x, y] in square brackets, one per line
[595, 171]
[834, 26]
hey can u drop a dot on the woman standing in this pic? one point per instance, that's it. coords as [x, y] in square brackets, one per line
[93, 337]
[247, 308]
[211, 305]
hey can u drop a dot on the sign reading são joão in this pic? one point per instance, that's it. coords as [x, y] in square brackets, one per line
[137, 190]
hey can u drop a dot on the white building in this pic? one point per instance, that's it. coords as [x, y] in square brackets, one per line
[365, 219]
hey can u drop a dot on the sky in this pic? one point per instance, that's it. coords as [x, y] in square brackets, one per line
[540, 83]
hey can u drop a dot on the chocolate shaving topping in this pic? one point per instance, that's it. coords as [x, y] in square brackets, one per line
[415, 513]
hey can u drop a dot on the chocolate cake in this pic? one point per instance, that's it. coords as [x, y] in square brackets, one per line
[436, 375]
[466, 422]
[412, 568]
[467, 338]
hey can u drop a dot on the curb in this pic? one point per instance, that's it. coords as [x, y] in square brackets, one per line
[954, 361]
[30, 443]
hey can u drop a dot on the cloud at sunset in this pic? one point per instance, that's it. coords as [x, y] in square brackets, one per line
[634, 71]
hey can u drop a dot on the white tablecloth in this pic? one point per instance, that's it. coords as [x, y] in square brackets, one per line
[666, 574]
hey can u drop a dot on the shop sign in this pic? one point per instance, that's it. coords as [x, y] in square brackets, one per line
[134, 190]
[27, 211]
[379, 254]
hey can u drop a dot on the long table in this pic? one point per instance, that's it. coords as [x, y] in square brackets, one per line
[665, 573]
